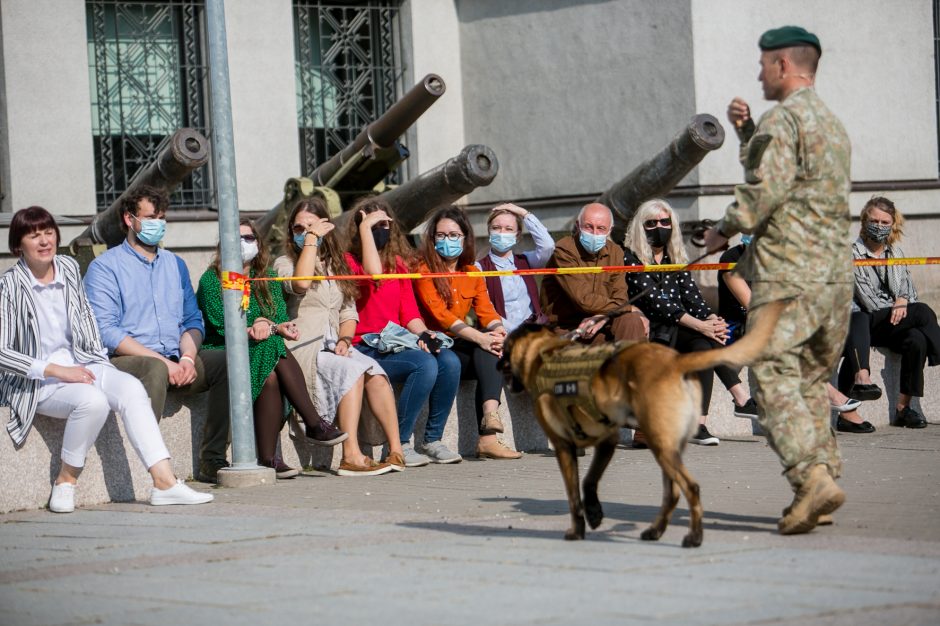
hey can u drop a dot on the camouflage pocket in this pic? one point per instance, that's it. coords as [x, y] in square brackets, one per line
[755, 152]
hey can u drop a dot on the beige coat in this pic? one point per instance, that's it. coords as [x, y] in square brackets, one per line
[317, 313]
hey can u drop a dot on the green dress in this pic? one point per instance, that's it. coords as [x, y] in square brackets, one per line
[263, 355]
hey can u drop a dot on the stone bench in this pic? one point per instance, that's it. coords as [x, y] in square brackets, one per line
[114, 473]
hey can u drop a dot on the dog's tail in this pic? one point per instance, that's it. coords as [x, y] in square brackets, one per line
[743, 351]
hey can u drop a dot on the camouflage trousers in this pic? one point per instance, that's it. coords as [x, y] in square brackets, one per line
[791, 375]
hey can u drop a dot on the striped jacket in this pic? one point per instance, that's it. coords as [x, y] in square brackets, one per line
[20, 343]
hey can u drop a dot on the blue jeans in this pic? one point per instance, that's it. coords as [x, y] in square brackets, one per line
[423, 376]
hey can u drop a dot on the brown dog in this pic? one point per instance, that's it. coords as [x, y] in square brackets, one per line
[584, 395]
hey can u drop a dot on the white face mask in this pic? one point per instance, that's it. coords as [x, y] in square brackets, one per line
[249, 251]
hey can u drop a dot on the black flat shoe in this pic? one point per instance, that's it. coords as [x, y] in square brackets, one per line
[845, 426]
[865, 393]
[909, 418]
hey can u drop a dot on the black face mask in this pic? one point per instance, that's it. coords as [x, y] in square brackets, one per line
[658, 237]
[381, 236]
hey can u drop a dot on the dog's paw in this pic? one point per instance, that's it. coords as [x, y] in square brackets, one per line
[650, 534]
[692, 540]
[594, 513]
[573, 534]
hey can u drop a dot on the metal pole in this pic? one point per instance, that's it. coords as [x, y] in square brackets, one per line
[244, 458]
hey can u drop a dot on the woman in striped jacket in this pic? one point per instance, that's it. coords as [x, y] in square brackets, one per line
[52, 362]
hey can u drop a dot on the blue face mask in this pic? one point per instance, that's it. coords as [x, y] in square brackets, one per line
[501, 242]
[592, 243]
[746, 239]
[151, 231]
[449, 249]
[299, 239]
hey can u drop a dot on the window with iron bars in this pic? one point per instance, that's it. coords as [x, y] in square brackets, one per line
[149, 77]
[348, 71]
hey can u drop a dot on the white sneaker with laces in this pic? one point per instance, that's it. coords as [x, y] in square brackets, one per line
[180, 493]
[62, 499]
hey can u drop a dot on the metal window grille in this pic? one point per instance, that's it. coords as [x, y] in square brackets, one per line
[347, 64]
[149, 77]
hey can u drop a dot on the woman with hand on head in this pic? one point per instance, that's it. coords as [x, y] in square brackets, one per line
[447, 247]
[431, 373]
[674, 305]
[515, 298]
[337, 374]
[52, 362]
[274, 370]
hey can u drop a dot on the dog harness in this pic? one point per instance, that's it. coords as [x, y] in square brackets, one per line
[566, 374]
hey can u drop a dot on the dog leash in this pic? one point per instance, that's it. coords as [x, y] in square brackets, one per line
[697, 240]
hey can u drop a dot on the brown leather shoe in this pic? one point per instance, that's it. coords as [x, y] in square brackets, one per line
[496, 450]
[639, 440]
[818, 496]
[491, 422]
[369, 468]
[396, 461]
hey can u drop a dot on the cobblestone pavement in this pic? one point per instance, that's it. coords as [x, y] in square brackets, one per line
[481, 542]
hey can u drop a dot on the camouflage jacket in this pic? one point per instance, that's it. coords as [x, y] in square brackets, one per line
[796, 197]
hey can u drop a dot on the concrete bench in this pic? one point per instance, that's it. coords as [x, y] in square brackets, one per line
[114, 473]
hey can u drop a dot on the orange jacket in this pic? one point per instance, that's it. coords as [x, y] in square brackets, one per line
[468, 293]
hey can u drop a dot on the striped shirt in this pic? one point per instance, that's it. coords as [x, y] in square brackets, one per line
[878, 287]
[20, 339]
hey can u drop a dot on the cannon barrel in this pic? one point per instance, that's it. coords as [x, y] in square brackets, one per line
[186, 150]
[475, 166]
[374, 153]
[657, 176]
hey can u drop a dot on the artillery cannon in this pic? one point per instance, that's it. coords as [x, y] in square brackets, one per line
[475, 166]
[362, 165]
[186, 150]
[657, 176]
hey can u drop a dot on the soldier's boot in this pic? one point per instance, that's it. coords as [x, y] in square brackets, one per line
[824, 520]
[492, 423]
[818, 496]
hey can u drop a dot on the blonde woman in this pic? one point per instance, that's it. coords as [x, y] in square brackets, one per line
[674, 305]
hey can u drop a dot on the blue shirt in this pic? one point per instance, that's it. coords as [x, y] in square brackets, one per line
[151, 302]
[515, 294]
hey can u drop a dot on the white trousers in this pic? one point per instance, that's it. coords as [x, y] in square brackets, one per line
[86, 408]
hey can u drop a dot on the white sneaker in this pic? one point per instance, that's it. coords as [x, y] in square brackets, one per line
[439, 453]
[180, 493]
[62, 499]
[412, 458]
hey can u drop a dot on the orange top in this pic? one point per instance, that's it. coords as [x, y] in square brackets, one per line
[468, 293]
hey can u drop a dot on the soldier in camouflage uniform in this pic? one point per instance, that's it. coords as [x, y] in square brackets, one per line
[795, 203]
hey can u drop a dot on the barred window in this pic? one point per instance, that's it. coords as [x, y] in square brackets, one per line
[149, 77]
[347, 64]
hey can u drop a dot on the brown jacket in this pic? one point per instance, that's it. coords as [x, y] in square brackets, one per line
[569, 298]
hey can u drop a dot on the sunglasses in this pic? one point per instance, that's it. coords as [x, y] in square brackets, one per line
[249, 238]
[665, 222]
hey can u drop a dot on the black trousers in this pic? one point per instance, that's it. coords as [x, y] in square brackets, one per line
[916, 338]
[479, 365]
[688, 340]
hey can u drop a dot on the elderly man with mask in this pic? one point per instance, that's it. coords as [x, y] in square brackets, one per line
[572, 300]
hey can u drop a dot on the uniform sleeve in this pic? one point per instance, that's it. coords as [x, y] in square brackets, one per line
[104, 295]
[769, 159]
[544, 243]
[192, 317]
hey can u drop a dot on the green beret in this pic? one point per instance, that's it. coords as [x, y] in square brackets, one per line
[787, 36]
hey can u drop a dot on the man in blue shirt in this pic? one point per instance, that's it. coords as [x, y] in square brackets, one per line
[146, 309]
